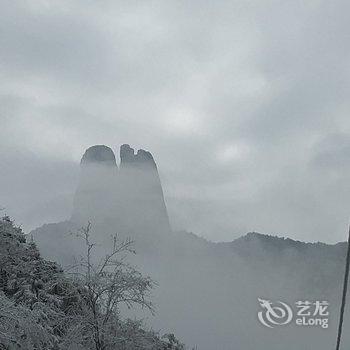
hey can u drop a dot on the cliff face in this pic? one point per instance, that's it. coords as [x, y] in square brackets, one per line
[95, 195]
[131, 196]
[140, 191]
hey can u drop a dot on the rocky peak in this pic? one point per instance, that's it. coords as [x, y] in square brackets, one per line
[127, 154]
[132, 197]
[129, 158]
[143, 156]
[94, 197]
[99, 155]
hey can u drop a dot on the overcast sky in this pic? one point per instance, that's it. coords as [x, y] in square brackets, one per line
[244, 105]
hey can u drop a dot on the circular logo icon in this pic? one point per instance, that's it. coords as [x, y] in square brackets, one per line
[274, 314]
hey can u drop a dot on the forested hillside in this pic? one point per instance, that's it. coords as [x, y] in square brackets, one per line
[42, 308]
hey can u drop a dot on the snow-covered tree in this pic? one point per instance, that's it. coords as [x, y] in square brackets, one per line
[43, 308]
[107, 284]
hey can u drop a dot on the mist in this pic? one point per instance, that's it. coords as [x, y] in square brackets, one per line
[207, 293]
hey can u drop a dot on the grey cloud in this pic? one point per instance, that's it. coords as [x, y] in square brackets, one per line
[243, 105]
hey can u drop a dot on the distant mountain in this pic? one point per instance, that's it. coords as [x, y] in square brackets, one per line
[207, 291]
[317, 266]
[131, 196]
[257, 246]
[277, 245]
